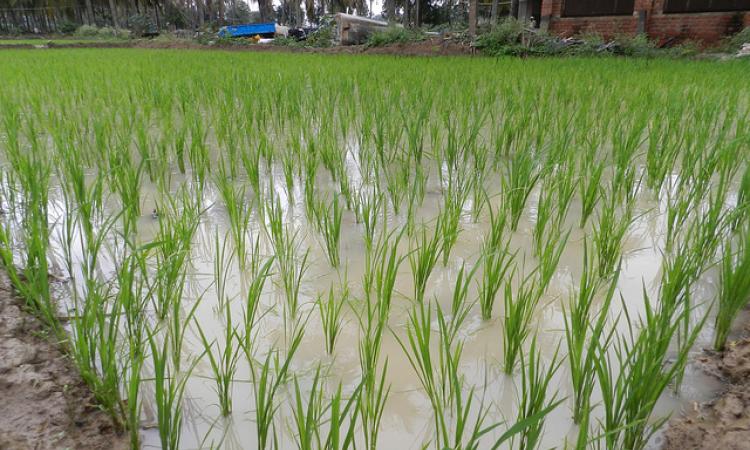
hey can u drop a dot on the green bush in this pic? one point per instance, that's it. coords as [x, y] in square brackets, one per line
[504, 39]
[394, 35]
[735, 42]
[87, 31]
[68, 27]
[639, 45]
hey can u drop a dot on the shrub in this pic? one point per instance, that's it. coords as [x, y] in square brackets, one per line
[735, 42]
[87, 31]
[141, 25]
[638, 45]
[106, 32]
[68, 27]
[394, 35]
[504, 39]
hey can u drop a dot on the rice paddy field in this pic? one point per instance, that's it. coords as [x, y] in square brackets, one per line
[305, 251]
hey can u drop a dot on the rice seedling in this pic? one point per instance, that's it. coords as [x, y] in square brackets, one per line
[535, 386]
[632, 379]
[328, 217]
[734, 286]
[424, 258]
[266, 381]
[330, 316]
[521, 175]
[497, 261]
[224, 365]
[585, 334]
[608, 235]
[519, 311]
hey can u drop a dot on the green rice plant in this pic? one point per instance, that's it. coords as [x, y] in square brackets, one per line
[370, 206]
[519, 312]
[608, 234]
[328, 217]
[734, 287]
[169, 391]
[252, 304]
[521, 175]
[266, 381]
[450, 216]
[584, 331]
[415, 196]
[239, 211]
[497, 261]
[337, 417]
[459, 307]
[307, 416]
[549, 256]
[424, 258]
[330, 316]
[590, 190]
[224, 365]
[632, 380]
[535, 386]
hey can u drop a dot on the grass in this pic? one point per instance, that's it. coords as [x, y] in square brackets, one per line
[127, 175]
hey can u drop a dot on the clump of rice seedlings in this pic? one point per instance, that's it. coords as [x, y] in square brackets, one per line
[415, 196]
[239, 211]
[32, 169]
[591, 169]
[450, 215]
[734, 287]
[266, 381]
[338, 415]
[549, 256]
[385, 262]
[633, 378]
[519, 312]
[459, 307]
[224, 365]
[521, 175]
[172, 245]
[609, 233]
[252, 303]
[328, 219]
[497, 260]
[368, 211]
[397, 183]
[169, 391]
[424, 258]
[330, 316]
[584, 331]
[534, 395]
[307, 416]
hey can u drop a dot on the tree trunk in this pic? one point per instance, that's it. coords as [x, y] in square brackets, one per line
[417, 13]
[201, 13]
[514, 9]
[493, 13]
[390, 10]
[90, 12]
[113, 12]
[472, 18]
[405, 19]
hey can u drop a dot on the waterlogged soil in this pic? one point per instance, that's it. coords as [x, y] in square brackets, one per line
[44, 404]
[724, 422]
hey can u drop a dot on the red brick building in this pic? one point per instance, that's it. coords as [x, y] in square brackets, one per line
[664, 20]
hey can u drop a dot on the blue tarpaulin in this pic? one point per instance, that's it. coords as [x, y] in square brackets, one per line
[252, 29]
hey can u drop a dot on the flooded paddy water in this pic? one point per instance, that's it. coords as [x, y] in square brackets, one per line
[252, 217]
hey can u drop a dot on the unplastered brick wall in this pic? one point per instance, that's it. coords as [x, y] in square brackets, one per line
[706, 27]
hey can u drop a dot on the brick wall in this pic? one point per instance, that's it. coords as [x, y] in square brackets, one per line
[706, 27]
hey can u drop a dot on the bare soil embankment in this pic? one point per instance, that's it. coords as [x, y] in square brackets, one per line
[44, 404]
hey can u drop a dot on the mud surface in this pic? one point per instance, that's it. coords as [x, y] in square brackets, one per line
[429, 47]
[723, 423]
[43, 401]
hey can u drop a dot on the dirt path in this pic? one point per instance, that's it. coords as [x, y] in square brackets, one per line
[43, 401]
[724, 423]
